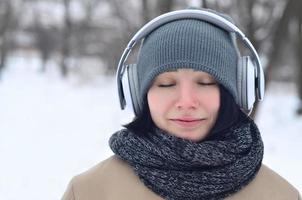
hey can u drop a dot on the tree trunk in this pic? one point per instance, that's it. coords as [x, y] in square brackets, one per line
[299, 59]
[204, 4]
[44, 59]
[3, 53]
[164, 6]
[66, 39]
[4, 35]
[146, 14]
[278, 38]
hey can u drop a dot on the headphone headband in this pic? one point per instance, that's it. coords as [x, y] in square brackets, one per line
[186, 14]
[189, 14]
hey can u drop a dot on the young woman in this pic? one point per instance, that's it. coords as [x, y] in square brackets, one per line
[190, 138]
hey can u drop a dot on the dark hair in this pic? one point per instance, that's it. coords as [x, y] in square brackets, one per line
[229, 114]
[143, 122]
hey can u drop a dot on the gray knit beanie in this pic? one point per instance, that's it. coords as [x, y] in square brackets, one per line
[188, 43]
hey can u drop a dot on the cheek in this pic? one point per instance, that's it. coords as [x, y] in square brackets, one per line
[211, 102]
[154, 101]
[158, 104]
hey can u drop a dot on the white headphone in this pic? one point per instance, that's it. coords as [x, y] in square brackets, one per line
[250, 75]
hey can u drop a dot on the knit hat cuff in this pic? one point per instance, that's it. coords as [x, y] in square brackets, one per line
[147, 82]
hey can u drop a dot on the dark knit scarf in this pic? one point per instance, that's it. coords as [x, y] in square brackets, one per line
[178, 169]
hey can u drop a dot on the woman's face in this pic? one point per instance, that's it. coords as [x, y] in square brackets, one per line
[185, 103]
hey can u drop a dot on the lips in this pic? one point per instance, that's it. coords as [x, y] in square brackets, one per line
[188, 122]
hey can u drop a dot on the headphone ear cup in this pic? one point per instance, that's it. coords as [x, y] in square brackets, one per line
[246, 78]
[134, 88]
[124, 92]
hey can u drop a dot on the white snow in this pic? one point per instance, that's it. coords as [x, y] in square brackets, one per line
[52, 129]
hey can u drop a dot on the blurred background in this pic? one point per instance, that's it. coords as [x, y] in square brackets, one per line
[58, 98]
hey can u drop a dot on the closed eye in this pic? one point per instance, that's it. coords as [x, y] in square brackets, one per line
[207, 84]
[166, 85]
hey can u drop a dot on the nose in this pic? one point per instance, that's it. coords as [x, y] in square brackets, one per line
[187, 97]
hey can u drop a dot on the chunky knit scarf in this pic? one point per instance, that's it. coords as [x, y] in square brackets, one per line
[178, 169]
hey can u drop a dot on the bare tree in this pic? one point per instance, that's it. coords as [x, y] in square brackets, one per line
[291, 12]
[164, 6]
[146, 11]
[67, 31]
[6, 17]
[83, 29]
[45, 40]
[281, 30]
[204, 3]
[299, 57]
[127, 24]
[149, 9]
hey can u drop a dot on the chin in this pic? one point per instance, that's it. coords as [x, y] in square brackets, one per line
[195, 139]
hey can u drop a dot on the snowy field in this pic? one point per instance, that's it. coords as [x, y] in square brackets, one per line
[52, 129]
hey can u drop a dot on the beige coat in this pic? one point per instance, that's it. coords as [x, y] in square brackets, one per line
[113, 179]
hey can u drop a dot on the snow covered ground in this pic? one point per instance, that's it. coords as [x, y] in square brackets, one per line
[52, 129]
